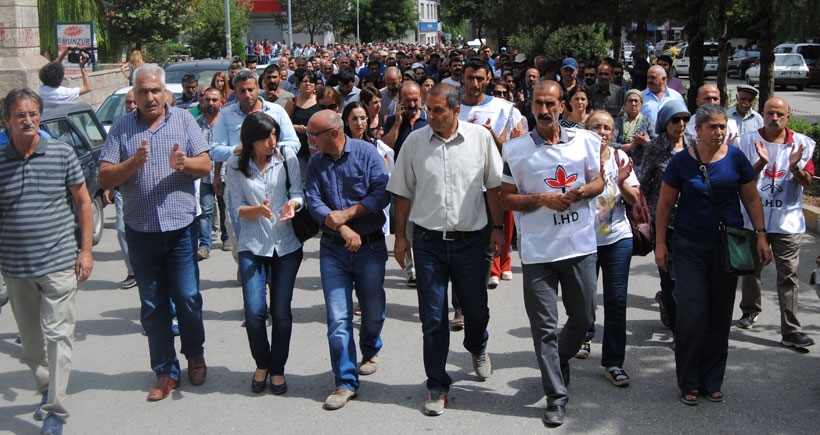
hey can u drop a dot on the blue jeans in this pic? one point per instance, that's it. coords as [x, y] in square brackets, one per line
[706, 298]
[281, 273]
[341, 270]
[119, 225]
[206, 202]
[223, 214]
[465, 263]
[613, 261]
[166, 270]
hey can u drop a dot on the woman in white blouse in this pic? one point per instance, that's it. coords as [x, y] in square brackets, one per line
[269, 252]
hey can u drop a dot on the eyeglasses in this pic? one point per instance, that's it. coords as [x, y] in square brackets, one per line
[678, 119]
[318, 133]
[498, 93]
[617, 73]
[328, 106]
[633, 101]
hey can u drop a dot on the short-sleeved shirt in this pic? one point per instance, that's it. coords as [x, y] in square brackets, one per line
[229, 125]
[36, 222]
[497, 110]
[695, 216]
[746, 124]
[611, 223]
[533, 166]
[651, 104]
[443, 177]
[156, 198]
[780, 194]
[53, 97]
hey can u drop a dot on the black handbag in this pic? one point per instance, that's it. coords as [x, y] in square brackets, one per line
[735, 247]
[304, 227]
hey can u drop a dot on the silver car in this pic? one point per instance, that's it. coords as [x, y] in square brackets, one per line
[789, 70]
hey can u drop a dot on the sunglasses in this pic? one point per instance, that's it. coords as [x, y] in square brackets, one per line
[589, 75]
[618, 73]
[328, 106]
[678, 119]
[498, 93]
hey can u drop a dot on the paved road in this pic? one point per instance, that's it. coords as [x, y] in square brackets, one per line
[769, 389]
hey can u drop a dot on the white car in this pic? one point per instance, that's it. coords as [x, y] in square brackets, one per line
[789, 70]
[114, 106]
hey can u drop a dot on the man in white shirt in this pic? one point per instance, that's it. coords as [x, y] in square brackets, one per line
[52, 74]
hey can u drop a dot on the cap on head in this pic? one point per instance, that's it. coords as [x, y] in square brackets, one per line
[569, 63]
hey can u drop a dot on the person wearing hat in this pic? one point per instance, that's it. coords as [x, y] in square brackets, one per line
[408, 75]
[671, 138]
[747, 119]
[569, 72]
[520, 58]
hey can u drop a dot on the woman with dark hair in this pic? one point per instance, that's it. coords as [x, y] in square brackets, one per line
[425, 84]
[704, 292]
[579, 107]
[372, 100]
[265, 182]
[300, 109]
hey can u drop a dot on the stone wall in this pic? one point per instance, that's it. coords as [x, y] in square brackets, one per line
[104, 82]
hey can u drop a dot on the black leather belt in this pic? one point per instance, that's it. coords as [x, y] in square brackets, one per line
[449, 235]
[370, 238]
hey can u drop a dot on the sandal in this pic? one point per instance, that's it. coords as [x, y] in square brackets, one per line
[714, 396]
[690, 398]
[617, 376]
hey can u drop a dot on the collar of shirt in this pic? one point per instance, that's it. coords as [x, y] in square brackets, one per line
[345, 150]
[39, 150]
[138, 113]
[459, 132]
[787, 140]
[564, 137]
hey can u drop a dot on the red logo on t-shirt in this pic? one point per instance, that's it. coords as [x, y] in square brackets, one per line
[561, 180]
[774, 174]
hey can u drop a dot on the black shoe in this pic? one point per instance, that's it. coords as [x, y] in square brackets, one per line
[258, 386]
[129, 282]
[279, 389]
[797, 339]
[565, 373]
[747, 320]
[553, 415]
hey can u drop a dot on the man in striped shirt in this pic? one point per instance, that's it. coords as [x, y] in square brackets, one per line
[40, 261]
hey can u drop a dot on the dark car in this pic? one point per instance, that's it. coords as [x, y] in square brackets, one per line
[203, 69]
[78, 126]
[740, 62]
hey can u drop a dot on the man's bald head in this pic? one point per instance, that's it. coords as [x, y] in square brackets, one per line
[708, 94]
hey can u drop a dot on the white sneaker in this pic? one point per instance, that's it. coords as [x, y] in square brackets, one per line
[507, 275]
[493, 282]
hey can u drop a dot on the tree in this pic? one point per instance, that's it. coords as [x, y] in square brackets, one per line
[479, 12]
[380, 20]
[72, 10]
[207, 27]
[584, 41]
[142, 21]
[312, 16]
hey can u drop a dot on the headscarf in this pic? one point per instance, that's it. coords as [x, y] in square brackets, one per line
[666, 113]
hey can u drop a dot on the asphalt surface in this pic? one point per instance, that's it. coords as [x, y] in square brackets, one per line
[768, 388]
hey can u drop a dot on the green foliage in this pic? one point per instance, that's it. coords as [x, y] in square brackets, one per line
[50, 13]
[801, 125]
[143, 21]
[380, 20]
[584, 41]
[315, 16]
[207, 28]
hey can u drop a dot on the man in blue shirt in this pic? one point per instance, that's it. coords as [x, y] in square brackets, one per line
[346, 193]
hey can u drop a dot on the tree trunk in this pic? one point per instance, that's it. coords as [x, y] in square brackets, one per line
[723, 52]
[766, 47]
[698, 11]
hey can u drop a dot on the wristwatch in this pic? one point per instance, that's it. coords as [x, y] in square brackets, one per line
[498, 227]
[760, 230]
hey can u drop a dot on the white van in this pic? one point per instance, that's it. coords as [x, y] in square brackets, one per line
[680, 66]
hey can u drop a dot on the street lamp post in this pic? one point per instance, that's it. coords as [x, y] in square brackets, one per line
[358, 41]
[228, 29]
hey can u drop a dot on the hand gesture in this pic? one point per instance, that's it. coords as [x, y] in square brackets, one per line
[264, 209]
[795, 155]
[624, 171]
[731, 138]
[177, 158]
[141, 156]
[288, 211]
[762, 152]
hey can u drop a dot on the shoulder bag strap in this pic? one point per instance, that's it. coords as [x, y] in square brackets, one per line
[702, 168]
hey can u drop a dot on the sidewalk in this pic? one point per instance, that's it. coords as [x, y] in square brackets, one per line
[769, 388]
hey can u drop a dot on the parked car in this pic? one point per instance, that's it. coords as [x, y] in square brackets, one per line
[736, 62]
[662, 46]
[77, 125]
[811, 54]
[114, 106]
[203, 69]
[680, 66]
[789, 70]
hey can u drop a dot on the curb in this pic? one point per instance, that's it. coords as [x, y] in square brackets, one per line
[812, 215]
